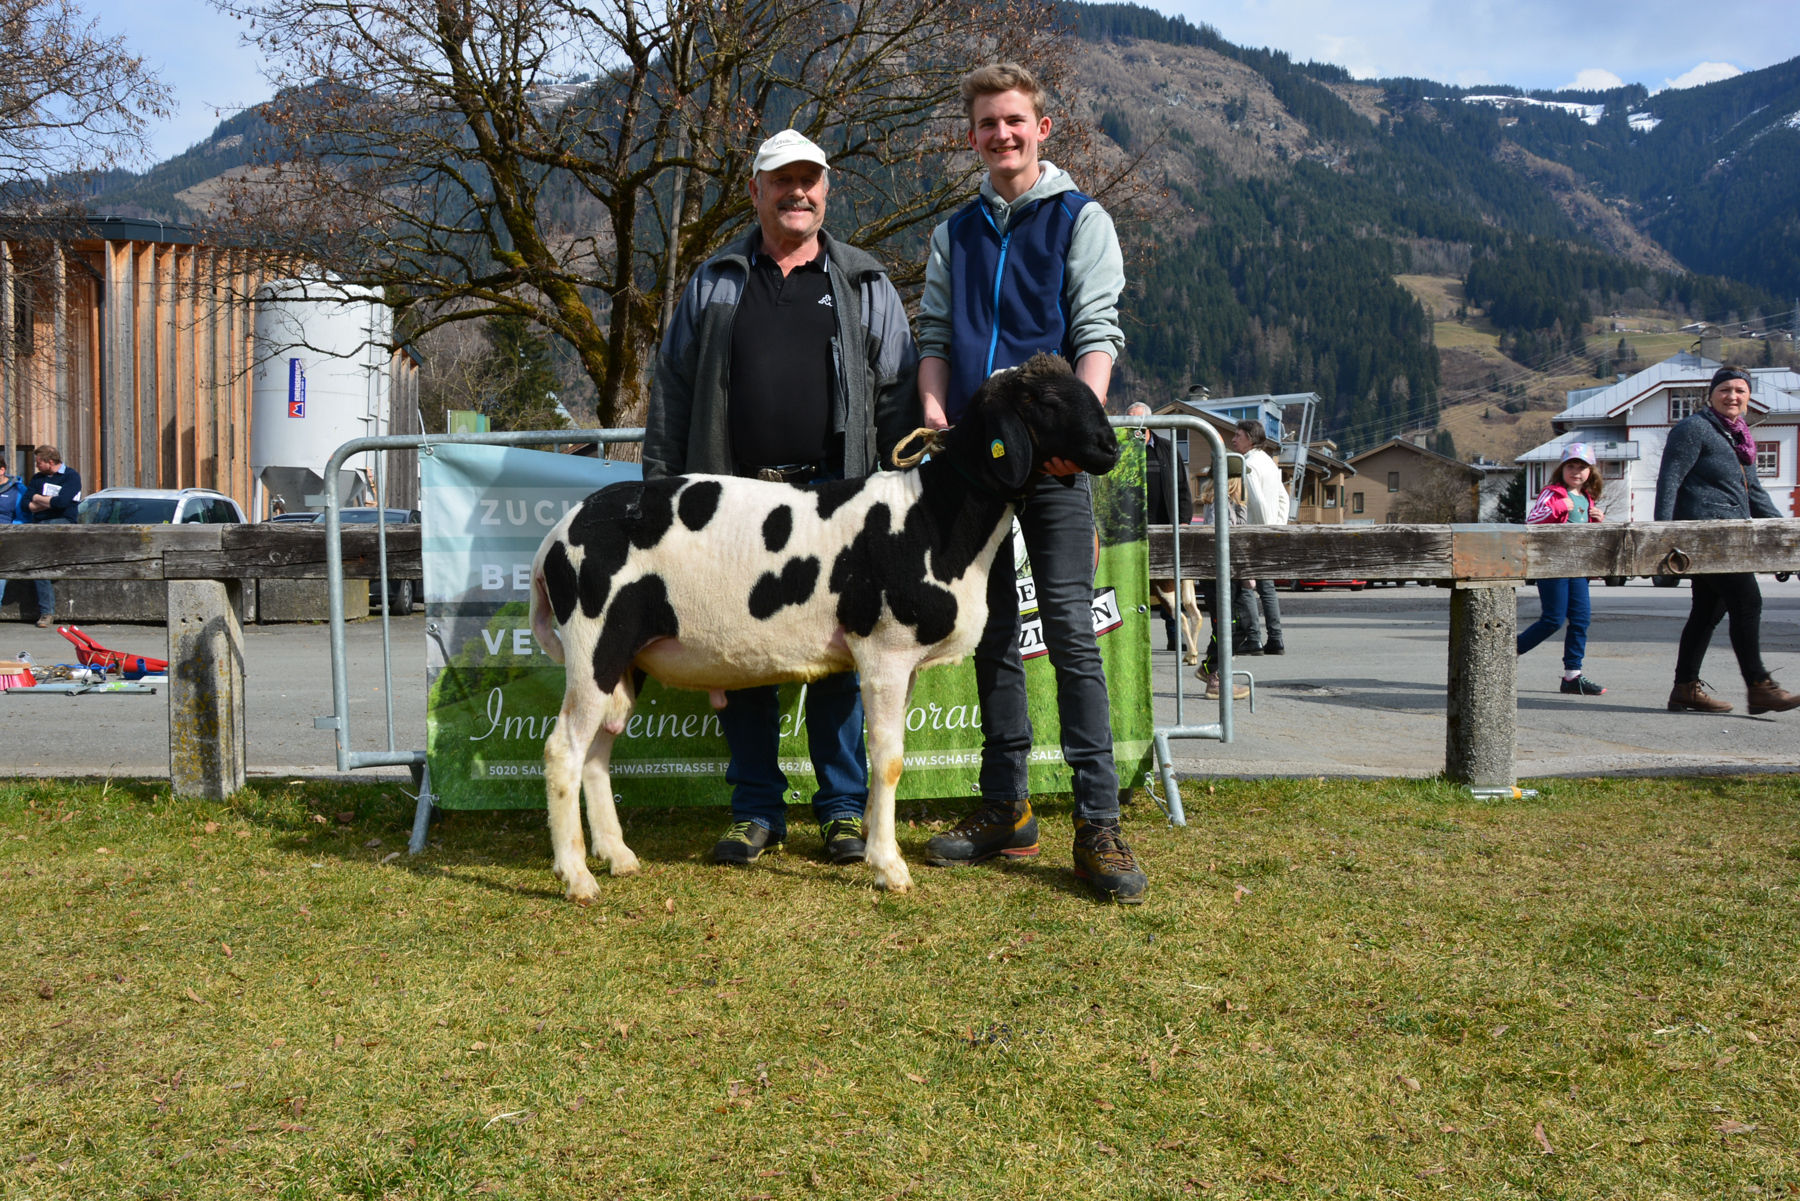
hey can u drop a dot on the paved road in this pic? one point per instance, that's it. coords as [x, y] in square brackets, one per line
[1360, 693]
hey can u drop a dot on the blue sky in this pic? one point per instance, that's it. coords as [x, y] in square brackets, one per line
[1529, 43]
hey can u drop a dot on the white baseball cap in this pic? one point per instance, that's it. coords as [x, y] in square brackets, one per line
[788, 146]
[1579, 450]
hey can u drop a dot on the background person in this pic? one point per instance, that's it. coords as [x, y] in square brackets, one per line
[1572, 497]
[1266, 503]
[52, 495]
[1709, 474]
[1029, 265]
[789, 358]
[1160, 462]
[12, 508]
[1235, 515]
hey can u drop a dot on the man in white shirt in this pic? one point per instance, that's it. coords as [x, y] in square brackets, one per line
[1267, 502]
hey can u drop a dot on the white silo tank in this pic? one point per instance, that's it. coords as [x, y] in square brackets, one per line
[320, 379]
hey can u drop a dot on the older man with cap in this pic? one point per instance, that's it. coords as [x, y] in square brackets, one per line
[789, 358]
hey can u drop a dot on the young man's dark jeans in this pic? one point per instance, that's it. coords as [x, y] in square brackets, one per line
[1058, 523]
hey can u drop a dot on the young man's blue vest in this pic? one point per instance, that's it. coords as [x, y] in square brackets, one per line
[1006, 292]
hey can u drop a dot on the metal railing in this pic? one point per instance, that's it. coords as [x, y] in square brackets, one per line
[1221, 730]
[339, 720]
[349, 759]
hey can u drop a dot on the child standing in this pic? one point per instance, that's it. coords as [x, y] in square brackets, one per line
[1571, 497]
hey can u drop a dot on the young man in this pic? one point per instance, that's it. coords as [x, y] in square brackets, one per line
[789, 358]
[1030, 265]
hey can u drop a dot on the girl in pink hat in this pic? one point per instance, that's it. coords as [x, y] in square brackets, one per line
[1571, 497]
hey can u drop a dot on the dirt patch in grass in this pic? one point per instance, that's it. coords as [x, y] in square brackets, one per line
[1346, 989]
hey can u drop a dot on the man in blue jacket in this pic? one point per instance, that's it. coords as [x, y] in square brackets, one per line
[12, 504]
[53, 494]
[1030, 265]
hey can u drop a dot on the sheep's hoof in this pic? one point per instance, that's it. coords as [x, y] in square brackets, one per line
[625, 865]
[1190, 660]
[898, 880]
[583, 888]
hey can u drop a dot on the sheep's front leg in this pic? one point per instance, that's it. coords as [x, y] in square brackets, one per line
[885, 690]
[564, 753]
[603, 817]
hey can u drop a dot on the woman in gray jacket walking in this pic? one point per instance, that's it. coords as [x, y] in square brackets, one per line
[1709, 474]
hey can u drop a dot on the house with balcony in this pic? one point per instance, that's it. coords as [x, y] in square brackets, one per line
[1627, 424]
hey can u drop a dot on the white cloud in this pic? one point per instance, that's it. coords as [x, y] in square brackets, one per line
[1594, 79]
[1704, 73]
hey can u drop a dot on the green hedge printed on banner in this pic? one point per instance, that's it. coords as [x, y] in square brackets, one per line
[493, 694]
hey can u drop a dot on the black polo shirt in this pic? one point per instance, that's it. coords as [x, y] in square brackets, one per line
[781, 367]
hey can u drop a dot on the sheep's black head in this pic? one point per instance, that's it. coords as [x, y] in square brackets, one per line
[1024, 416]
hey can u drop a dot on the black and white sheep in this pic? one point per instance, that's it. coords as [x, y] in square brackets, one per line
[718, 582]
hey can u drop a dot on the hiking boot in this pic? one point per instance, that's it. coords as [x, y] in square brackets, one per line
[1692, 697]
[45, 621]
[1274, 647]
[744, 843]
[1104, 861]
[1582, 686]
[997, 828]
[1769, 697]
[844, 841]
[1239, 692]
[1246, 646]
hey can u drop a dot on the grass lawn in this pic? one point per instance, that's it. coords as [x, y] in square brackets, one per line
[1335, 989]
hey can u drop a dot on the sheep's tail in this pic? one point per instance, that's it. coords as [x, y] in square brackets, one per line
[930, 442]
[543, 614]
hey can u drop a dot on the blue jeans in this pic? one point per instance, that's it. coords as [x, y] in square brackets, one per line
[1058, 523]
[1561, 600]
[751, 720]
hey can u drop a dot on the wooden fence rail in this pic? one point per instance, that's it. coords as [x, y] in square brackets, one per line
[1483, 564]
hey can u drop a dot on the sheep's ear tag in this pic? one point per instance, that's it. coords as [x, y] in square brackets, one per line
[997, 449]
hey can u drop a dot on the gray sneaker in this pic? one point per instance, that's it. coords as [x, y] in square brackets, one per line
[744, 843]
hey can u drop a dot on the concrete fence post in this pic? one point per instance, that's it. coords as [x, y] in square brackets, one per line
[207, 752]
[1483, 695]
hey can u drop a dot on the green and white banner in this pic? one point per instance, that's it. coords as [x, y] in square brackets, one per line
[493, 695]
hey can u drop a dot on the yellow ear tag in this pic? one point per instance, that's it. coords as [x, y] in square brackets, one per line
[997, 449]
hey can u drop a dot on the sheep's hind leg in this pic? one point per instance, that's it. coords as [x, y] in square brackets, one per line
[602, 814]
[564, 753]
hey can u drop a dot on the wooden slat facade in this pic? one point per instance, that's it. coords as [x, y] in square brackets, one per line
[135, 361]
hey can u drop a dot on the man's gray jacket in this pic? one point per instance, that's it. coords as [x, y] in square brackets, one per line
[875, 401]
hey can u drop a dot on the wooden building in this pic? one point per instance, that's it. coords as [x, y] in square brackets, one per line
[127, 344]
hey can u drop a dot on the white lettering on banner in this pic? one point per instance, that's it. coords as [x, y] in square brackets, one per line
[494, 576]
[936, 717]
[1027, 594]
[542, 513]
[535, 728]
[496, 639]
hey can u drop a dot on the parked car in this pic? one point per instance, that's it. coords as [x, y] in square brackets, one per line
[402, 593]
[158, 506]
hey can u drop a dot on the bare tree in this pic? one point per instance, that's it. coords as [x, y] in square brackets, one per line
[1443, 493]
[443, 150]
[71, 99]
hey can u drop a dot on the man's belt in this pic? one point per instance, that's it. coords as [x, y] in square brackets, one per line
[788, 473]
